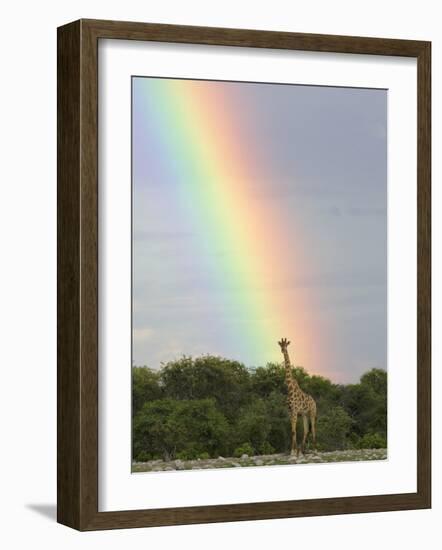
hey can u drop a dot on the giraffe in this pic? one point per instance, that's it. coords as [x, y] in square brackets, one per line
[299, 402]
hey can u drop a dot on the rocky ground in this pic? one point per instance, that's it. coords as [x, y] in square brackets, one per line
[260, 460]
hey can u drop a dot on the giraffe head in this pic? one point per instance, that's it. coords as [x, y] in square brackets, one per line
[284, 343]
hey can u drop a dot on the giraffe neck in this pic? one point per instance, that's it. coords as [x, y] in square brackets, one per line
[291, 382]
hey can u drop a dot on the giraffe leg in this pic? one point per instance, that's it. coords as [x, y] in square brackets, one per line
[313, 428]
[294, 448]
[305, 434]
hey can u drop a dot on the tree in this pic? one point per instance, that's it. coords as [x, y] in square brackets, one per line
[321, 388]
[166, 427]
[333, 429]
[366, 403]
[254, 425]
[268, 379]
[194, 407]
[227, 382]
[280, 428]
[145, 387]
[377, 380]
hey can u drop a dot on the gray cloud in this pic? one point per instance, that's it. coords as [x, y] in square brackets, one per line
[324, 166]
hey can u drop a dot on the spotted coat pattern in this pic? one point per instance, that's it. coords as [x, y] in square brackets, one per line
[299, 403]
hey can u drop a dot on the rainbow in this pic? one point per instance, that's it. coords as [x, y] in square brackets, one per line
[215, 160]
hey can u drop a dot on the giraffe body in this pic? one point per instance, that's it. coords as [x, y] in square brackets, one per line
[299, 403]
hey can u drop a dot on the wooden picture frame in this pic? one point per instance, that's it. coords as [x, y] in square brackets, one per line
[77, 224]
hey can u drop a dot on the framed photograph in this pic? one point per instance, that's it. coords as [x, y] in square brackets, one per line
[243, 274]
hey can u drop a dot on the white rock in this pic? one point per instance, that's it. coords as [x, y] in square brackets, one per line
[179, 464]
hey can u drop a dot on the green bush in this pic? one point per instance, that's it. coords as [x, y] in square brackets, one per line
[254, 424]
[372, 441]
[366, 403]
[280, 428]
[244, 449]
[192, 453]
[332, 429]
[267, 448]
[167, 427]
[209, 406]
[188, 454]
[353, 440]
[142, 456]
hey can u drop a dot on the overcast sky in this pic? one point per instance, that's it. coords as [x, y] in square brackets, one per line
[324, 156]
